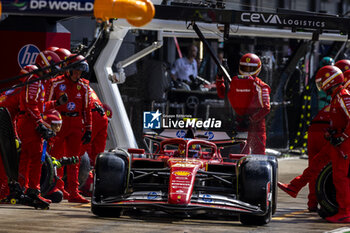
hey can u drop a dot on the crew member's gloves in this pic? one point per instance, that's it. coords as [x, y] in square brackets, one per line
[45, 132]
[86, 137]
[99, 109]
[63, 99]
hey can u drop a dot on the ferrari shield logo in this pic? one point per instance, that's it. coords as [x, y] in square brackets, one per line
[248, 59]
[78, 87]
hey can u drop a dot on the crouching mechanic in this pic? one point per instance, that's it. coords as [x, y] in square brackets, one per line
[76, 127]
[31, 131]
[330, 80]
[52, 119]
[250, 98]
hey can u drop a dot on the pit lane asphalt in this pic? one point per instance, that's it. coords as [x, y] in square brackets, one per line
[291, 216]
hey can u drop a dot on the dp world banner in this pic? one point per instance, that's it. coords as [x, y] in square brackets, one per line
[48, 7]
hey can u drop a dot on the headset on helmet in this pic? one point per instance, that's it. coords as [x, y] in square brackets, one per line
[194, 151]
[53, 120]
[108, 111]
[249, 64]
[328, 77]
[47, 58]
[79, 62]
[326, 61]
[344, 64]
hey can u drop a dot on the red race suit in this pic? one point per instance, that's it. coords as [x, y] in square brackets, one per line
[99, 129]
[76, 115]
[340, 118]
[250, 98]
[31, 106]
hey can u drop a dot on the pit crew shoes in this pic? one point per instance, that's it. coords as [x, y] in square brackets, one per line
[65, 194]
[289, 189]
[339, 218]
[35, 194]
[77, 198]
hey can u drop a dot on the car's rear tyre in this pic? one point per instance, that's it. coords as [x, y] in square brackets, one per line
[256, 187]
[325, 192]
[111, 172]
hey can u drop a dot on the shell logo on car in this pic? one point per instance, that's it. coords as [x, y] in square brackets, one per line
[182, 173]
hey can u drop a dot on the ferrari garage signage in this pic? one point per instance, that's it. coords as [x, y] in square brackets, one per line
[156, 120]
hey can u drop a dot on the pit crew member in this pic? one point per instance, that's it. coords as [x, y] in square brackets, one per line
[250, 98]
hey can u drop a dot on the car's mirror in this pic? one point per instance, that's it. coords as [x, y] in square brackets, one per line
[136, 151]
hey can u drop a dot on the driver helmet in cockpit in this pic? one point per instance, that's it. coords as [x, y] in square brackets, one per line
[194, 151]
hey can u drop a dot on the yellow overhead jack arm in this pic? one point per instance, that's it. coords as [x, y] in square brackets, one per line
[136, 12]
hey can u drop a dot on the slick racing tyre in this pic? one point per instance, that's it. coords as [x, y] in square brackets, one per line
[110, 181]
[325, 192]
[256, 188]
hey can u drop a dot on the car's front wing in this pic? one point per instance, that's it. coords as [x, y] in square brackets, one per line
[156, 200]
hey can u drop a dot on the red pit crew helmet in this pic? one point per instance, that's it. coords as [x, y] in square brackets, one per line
[346, 79]
[344, 64]
[53, 120]
[108, 111]
[63, 53]
[52, 48]
[79, 61]
[47, 58]
[249, 64]
[27, 69]
[328, 77]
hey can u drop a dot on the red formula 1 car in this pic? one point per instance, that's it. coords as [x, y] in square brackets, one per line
[186, 176]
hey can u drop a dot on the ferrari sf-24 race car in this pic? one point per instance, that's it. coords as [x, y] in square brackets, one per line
[186, 176]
